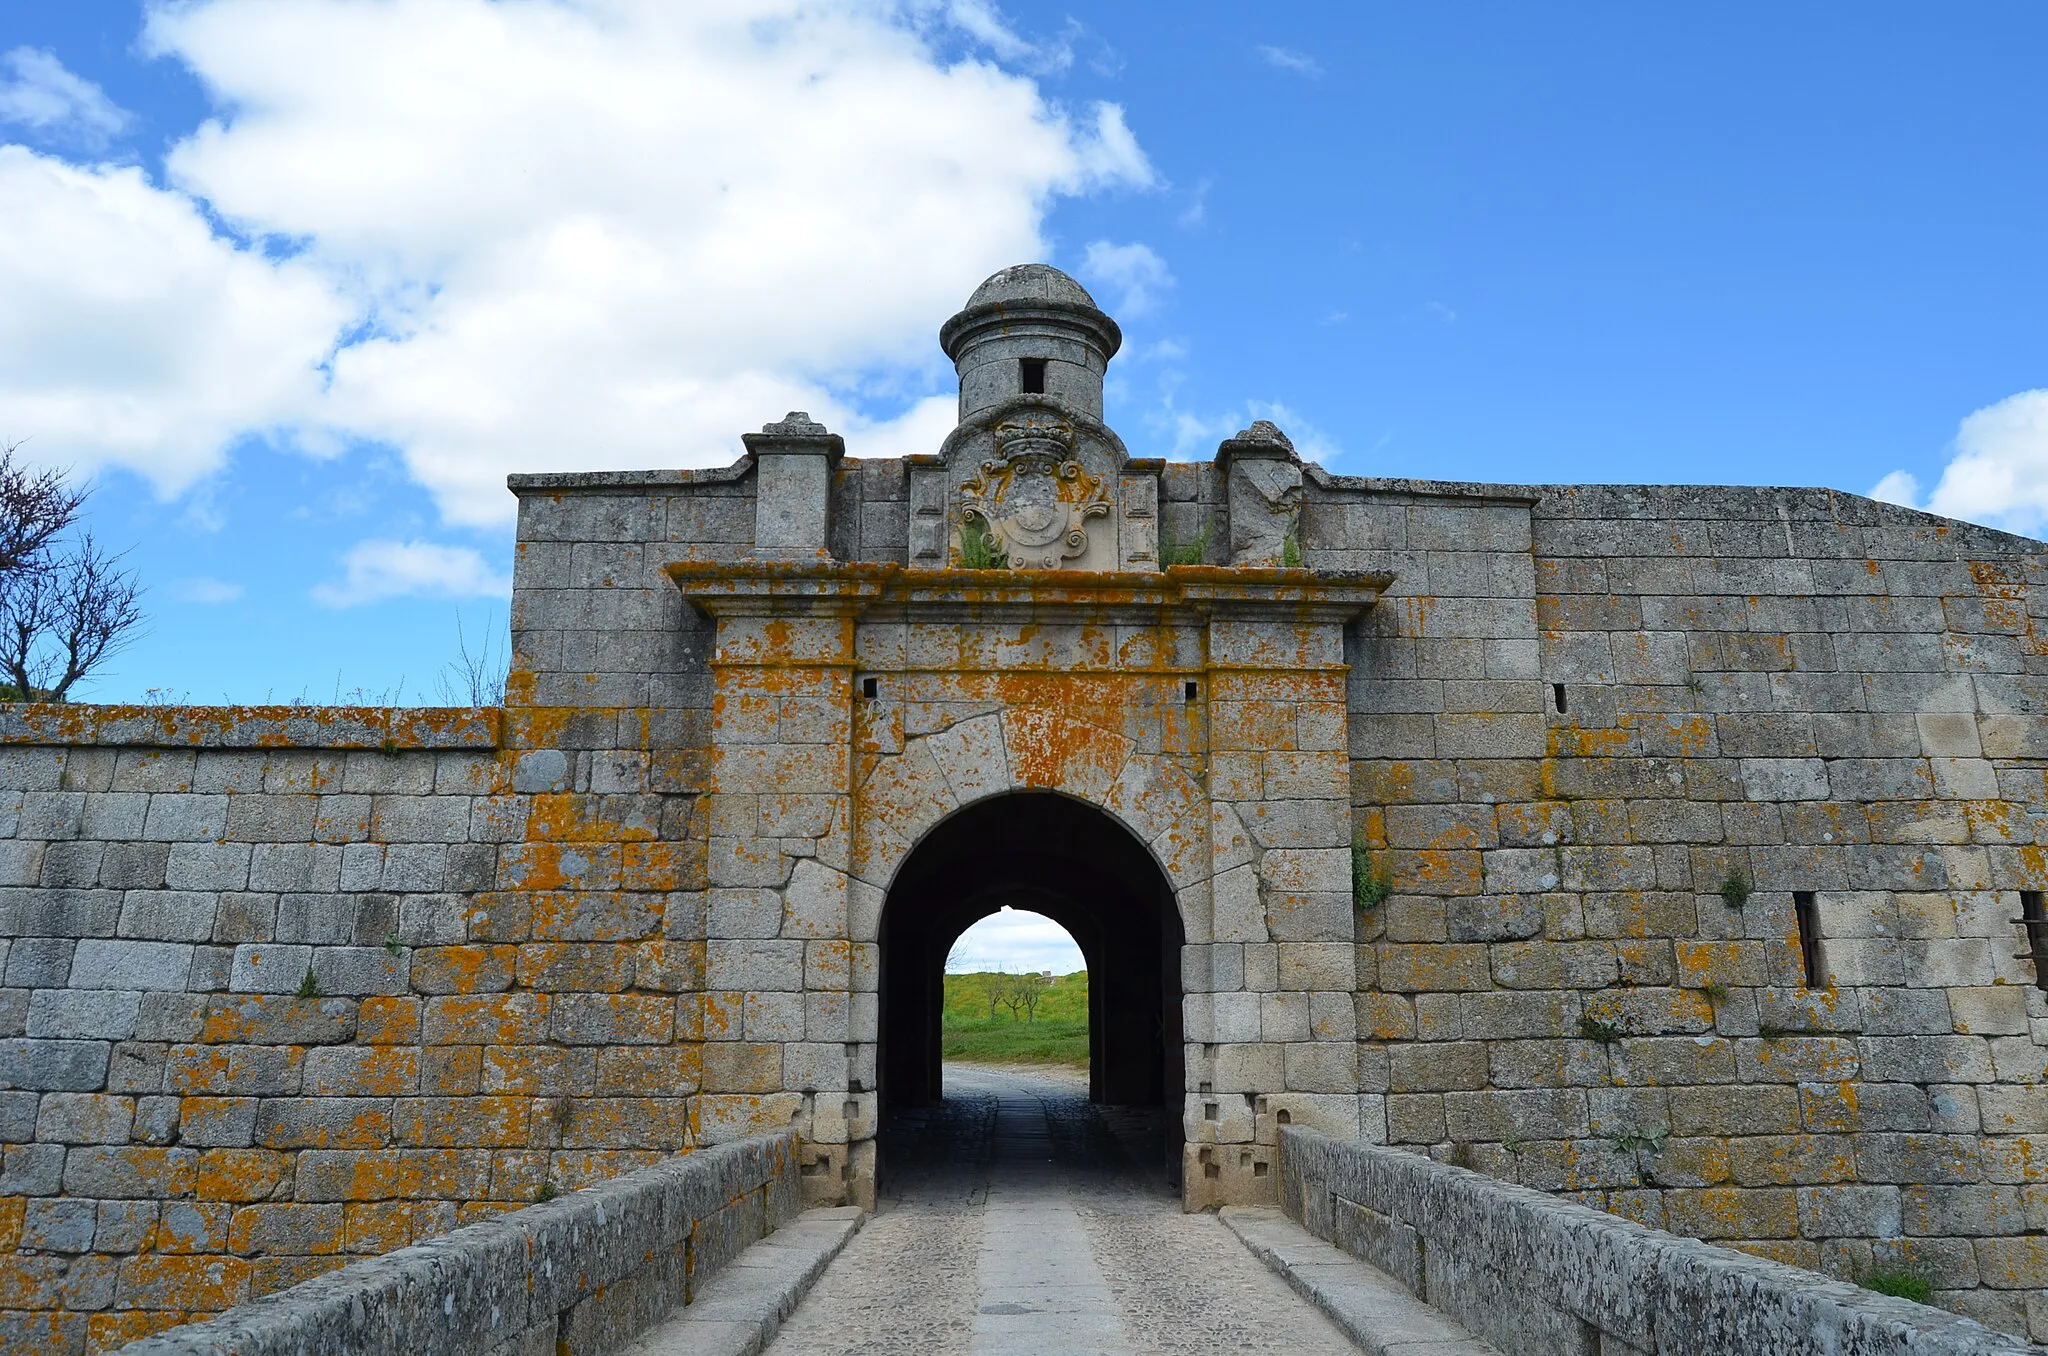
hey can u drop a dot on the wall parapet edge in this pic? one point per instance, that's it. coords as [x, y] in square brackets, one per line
[382, 728]
[1536, 1275]
[580, 1274]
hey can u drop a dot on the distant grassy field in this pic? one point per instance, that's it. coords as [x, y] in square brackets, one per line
[1058, 1034]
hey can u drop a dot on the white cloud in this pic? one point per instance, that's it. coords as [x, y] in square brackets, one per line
[1998, 473]
[1195, 435]
[1309, 440]
[130, 333]
[1900, 487]
[206, 591]
[985, 24]
[1016, 940]
[1287, 59]
[1441, 312]
[36, 91]
[919, 429]
[1137, 274]
[2000, 470]
[551, 235]
[376, 570]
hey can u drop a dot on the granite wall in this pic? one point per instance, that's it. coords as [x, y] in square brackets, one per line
[1607, 754]
[282, 987]
[285, 987]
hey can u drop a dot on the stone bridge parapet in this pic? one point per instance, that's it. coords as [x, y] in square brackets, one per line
[576, 1276]
[1538, 1276]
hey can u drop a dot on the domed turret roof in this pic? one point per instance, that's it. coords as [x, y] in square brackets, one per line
[1030, 282]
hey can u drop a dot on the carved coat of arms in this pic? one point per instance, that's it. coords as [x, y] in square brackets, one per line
[1034, 498]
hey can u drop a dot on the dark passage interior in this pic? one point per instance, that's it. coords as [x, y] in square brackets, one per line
[1079, 867]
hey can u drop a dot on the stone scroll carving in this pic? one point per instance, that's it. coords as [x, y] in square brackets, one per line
[1263, 479]
[1034, 498]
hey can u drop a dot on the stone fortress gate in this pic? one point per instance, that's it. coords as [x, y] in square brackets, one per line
[1676, 849]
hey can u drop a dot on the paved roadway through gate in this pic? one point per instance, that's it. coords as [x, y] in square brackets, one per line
[1013, 1219]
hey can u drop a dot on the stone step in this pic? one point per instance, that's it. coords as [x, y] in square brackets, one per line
[1374, 1310]
[739, 1309]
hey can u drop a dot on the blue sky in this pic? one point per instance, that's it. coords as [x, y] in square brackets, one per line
[300, 282]
[1015, 940]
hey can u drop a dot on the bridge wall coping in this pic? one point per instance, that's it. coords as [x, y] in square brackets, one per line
[583, 1273]
[1539, 1276]
[386, 729]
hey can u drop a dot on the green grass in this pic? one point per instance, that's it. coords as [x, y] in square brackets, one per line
[1902, 1284]
[1371, 879]
[1191, 552]
[978, 550]
[1057, 1035]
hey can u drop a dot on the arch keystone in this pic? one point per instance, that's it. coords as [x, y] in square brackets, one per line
[1051, 752]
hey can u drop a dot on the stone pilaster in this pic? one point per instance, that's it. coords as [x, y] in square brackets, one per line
[1280, 1042]
[793, 462]
[780, 1045]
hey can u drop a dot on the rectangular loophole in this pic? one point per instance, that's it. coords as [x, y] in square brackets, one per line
[1031, 376]
[1557, 697]
[870, 688]
[1192, 689]
[2034, 916]
[1806, 920]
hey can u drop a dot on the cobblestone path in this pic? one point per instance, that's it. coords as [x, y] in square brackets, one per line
[1013, 1221]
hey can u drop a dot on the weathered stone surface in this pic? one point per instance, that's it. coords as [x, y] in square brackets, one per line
[1662, 845]
[515, 1282]
[1534, 1274]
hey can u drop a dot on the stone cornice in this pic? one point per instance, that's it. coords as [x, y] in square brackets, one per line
[805, 588]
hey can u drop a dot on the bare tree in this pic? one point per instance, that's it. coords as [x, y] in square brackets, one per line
[65, 604]
[34, 507]
[475, 679]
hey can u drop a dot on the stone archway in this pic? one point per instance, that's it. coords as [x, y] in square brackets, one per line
[1037, 809]
[1075, 864]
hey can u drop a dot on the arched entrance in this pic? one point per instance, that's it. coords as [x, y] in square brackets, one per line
[1078, 866]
